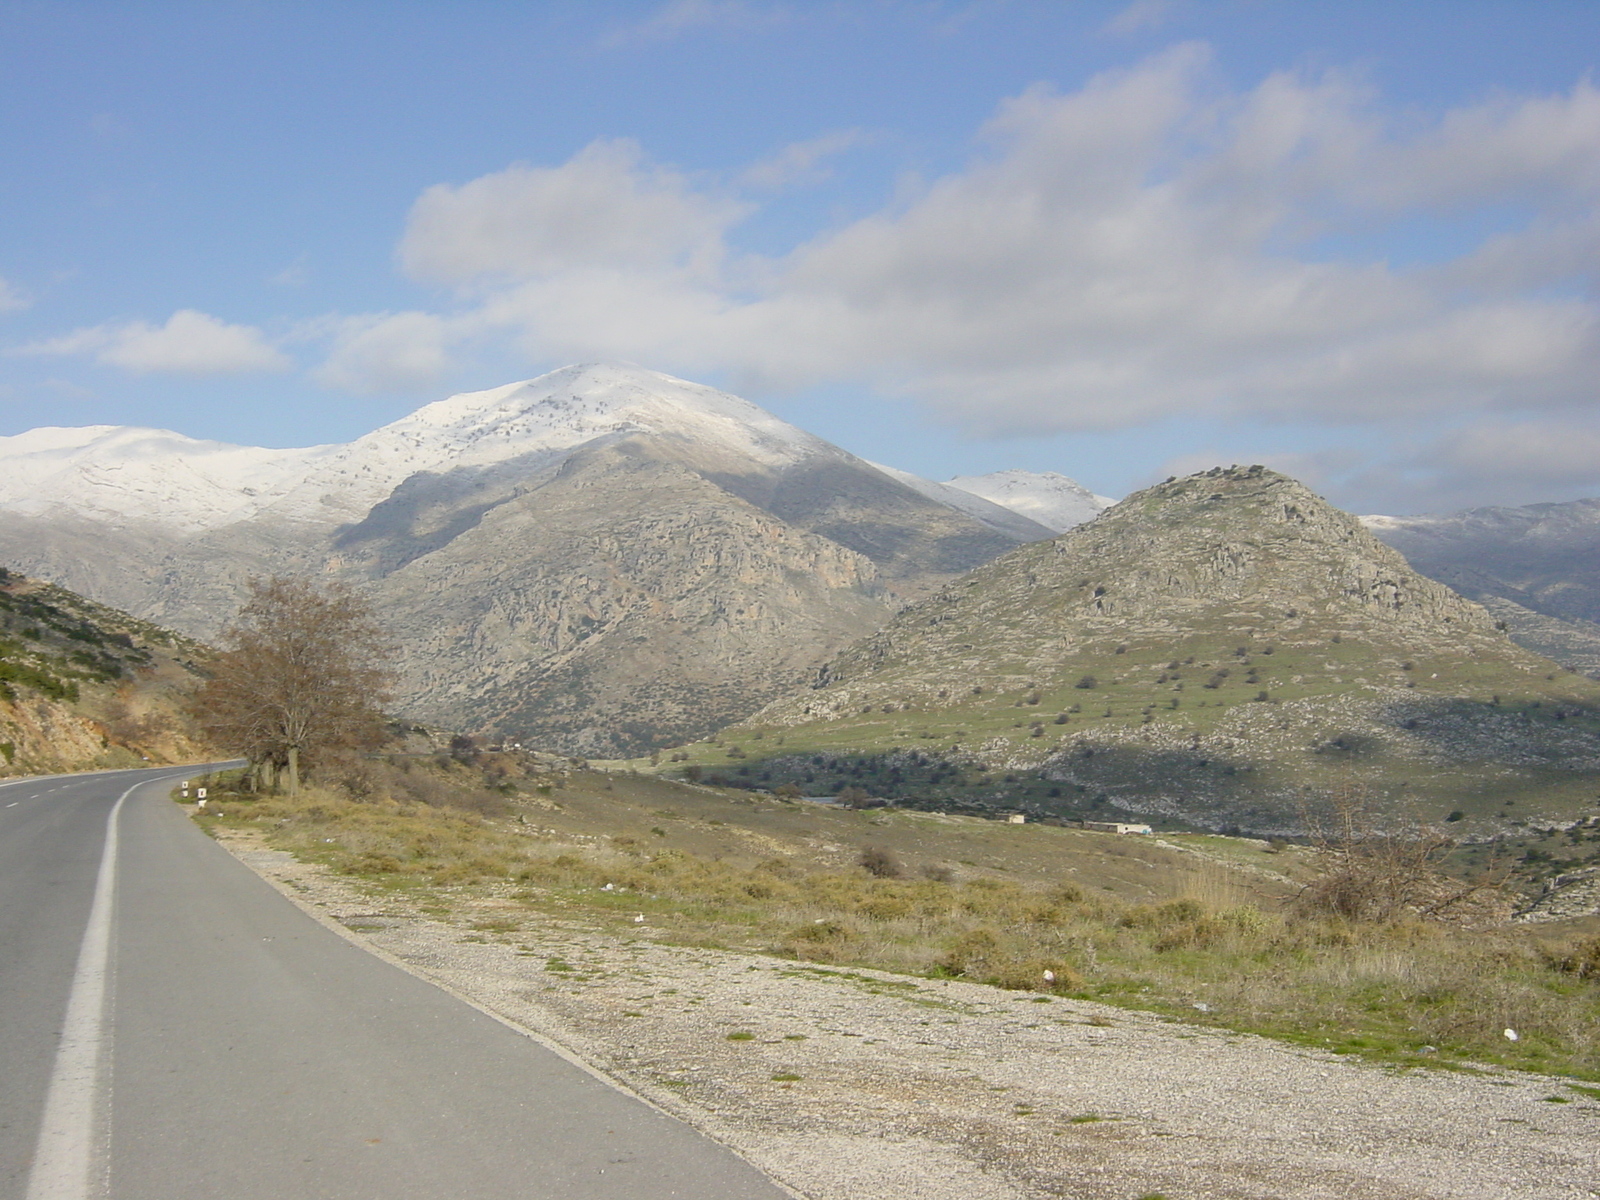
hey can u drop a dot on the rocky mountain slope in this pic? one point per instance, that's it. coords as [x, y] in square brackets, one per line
[84, 686]
[594, 560]
[1537, 568]
[1222, 649]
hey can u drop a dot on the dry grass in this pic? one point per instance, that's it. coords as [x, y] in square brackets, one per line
[1203, 938]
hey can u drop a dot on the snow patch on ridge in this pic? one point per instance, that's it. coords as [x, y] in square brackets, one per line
[122, 474]
[554, 413]
[1052, 500]
[996, 516]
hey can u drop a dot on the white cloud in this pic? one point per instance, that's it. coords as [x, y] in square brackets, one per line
[388, 352]
[1549, 251]
[604, 207]
[190, 343]
[296, 274]
[1545, 449]
[12, 299]
[1149, 246]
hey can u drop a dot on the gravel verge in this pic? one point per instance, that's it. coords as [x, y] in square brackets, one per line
[849, 1084]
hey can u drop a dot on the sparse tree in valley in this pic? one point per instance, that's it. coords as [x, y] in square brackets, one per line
[304, 675]
[852, 796]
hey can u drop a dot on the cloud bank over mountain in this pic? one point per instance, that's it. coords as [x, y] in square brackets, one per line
[1151, 245]
[1164, 259]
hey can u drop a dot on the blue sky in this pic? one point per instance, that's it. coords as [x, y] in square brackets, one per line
[1358, 241]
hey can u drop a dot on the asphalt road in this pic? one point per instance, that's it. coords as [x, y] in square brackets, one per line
[173, 1029]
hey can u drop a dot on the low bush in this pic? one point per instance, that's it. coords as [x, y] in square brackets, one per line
[881, 862]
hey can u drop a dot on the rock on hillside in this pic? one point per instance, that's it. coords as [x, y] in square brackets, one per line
[1209, 649]
[84, 686]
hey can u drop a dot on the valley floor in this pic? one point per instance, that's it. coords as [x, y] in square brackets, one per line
[849, 1084]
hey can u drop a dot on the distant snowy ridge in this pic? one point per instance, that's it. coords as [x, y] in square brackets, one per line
[998, 516]
[122, 475]
[551, 416]
[1052, 500]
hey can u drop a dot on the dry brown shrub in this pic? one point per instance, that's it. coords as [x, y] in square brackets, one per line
[377, 864]
[1582, 959]
[881, 862]
[988, 956]
[1205, 932]
[1376, 869]
[885, 908]
[1163, 916]
[971, 953]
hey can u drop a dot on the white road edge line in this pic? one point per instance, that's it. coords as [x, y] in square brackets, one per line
[68, 1140]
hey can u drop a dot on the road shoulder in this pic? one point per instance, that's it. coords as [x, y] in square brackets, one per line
[844, 1083]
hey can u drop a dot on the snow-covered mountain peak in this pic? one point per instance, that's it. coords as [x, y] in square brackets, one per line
[123, 474]
[566, 408]
[1052, 500]
[543, 418]
[996, 516]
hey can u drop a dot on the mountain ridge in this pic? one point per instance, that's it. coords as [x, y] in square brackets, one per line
[452, 521]
[192, 485]
[1537, 567]
[1221, 649]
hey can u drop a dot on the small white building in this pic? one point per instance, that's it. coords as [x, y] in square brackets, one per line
[1116, 827]
[1016, 819]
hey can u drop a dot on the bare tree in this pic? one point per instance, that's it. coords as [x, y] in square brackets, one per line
[303, 675]
[1378, 867]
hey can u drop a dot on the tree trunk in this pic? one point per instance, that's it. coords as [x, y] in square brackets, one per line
[293, 770]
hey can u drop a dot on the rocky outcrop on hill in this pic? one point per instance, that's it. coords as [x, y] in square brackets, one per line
[82, 685]
[1248, 552]
[1568, 896]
